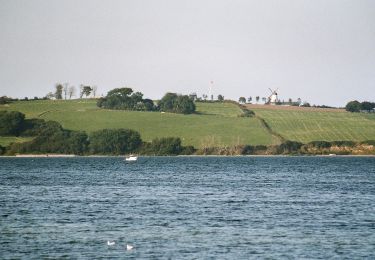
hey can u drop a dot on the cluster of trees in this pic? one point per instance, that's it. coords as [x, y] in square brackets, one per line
[65, 91]
[171, 102]
[51, 137]
[126, 99]
[356, 106]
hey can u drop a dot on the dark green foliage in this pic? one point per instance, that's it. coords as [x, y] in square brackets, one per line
[247, 113]
[220, 98]
[343, 143]
[32, 127]
[11, 122]
[367, 106]
[254, 149]
[243, 100]
[369, 142]
[320, 144]
[182, 104]
[86, 90]
[125, 99]
[353, 106]
[114, 141]
[2, 150]
[58, 92]
[289, 147]
[5, 100]
[52, 138]
[163, 146]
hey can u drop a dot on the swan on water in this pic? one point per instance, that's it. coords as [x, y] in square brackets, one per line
[129, 247]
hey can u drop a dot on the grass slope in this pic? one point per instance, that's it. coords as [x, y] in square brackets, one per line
[215, 124]
[305, 125]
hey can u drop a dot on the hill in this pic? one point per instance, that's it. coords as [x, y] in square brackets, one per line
[317, 124]
[215, 124]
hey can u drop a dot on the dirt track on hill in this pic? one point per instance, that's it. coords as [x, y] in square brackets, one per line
[294, 108]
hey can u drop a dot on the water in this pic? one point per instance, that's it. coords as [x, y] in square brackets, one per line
[188, 208]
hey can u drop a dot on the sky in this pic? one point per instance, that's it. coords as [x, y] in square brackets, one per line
[322, 51]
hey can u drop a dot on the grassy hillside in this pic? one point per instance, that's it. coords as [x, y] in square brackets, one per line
[308, 124]
[215, 124]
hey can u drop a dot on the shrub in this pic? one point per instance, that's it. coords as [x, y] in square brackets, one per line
[182, 104]
[114, 141]
[164, 146]
[289, 147]
[125, 99]
[11, 122]
[353, 106]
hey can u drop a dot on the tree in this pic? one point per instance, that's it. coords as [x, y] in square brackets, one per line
[257, 98]
[94, 89]
[66, 89]
[353, 106]
[367, 106]
[249, 99]
[220, 98]
[58, 92]
[114, 141]
[204, 96]
[242, 100]
[165, 146]
[50, 95]
[81, 91]
[11, 123]
[299, 101]
[290, 101]
[86, 90]
[264, 99]
[71, 91]
[171, 102]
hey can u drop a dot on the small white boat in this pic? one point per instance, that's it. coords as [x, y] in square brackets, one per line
[131, 158]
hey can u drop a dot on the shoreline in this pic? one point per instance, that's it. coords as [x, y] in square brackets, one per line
[251, 155]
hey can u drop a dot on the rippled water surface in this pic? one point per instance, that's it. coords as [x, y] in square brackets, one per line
[188, 207]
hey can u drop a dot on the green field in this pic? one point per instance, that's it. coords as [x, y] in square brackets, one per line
[304, 125]
[215, 124]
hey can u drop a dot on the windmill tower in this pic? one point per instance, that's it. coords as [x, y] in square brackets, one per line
[273, 98]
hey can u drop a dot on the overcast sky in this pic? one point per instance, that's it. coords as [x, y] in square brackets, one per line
[322, 51]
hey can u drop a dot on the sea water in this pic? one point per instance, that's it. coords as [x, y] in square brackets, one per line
[188, 208]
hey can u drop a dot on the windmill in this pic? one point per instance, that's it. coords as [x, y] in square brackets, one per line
[273, 99]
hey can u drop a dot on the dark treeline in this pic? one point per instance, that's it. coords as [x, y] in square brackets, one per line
[356, 106]
[126, 99]
[51, 137]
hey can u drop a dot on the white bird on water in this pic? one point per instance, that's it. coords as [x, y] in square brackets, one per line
[129, 247]
[111, 243]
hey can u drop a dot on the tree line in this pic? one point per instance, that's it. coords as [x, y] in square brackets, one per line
[51, 137]
[356, 106]
[126, 99]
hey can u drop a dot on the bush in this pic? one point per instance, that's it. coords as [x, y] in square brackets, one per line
[171, 102]
[52, 138]
[5, 100]
[11, 122]
[343, 143]
[2, 150]
[319, 144]
[353, 106]
[114, 141]
[247, 113]
[125, 99]
[289, 147]
[164, 146]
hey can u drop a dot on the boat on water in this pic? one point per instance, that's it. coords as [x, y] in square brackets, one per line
[131, 158]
